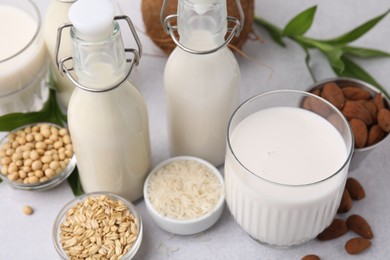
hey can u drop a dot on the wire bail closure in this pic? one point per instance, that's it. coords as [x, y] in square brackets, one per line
[133, 61]
[233, 31]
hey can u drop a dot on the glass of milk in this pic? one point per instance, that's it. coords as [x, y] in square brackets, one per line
[23, 61]
[286, 165]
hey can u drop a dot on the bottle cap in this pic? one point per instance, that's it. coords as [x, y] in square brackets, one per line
[92, 19]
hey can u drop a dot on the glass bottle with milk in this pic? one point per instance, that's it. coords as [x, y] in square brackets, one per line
[56, 15]
[107, 115]
[201, 79]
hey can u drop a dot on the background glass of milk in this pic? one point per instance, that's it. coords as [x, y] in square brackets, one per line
[23, 61]
[286, 167]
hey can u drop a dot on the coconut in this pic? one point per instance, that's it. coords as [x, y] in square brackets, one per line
[151, 15]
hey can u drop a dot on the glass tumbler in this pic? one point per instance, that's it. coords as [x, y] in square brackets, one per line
[23, 59]
[286, 165]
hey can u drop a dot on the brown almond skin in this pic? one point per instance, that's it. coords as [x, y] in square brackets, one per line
[355, 109]
[357, 245]
[333, 94]
[379, 102]
[360, 132]
[336, 229]
[360, 226]
[371, 107]
[311, 257]
[384, 119]
[316, 106]
[375, 134]
[355, 93]
[355, 189]
[345, 203]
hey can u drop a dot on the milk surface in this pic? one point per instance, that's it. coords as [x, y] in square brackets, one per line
[22, 60]
[286, 194]
[201, 93]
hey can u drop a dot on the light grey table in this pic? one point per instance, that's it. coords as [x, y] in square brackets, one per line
[30, 237]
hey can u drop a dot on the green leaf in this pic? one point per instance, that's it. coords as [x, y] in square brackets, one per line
[300, 23]
[74, 183]
[353, 70]
[334, 57]
[364, 52]
[274, 32]
[357, 32]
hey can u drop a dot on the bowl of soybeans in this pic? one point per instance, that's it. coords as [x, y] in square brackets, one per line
[36, 156]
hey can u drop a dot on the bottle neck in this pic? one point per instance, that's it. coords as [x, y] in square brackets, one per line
[202, 24]
[99, 63]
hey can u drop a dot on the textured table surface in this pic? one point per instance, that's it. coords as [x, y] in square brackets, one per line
[270, 67]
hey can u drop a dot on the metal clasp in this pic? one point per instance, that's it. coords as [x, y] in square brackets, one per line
[133, 61]
[233, 31]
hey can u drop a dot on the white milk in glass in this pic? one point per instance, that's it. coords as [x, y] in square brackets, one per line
[109, 129]
[202, 92]
[56, 15]
[22, 59]
[283, 197]
[202, 82]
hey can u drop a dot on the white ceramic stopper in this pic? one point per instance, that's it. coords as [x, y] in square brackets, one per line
[92, 19]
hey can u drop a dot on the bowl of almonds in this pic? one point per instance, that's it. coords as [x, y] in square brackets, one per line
[98, 225]
[365, 107]
[36, 156]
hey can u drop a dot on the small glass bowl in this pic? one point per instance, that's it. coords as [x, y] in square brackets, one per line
[40, 186]
[62, 215]
[188, 226]
[359, 154]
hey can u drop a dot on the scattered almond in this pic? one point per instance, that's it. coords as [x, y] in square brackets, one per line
[355, 189]
[337, 228]
[357, 245]
[360, 132]
[311, 257]
[345, 203]
[360, 226]
[333, 94]
[355, 93]
[354, 109]
[384, 119]
[375, 134]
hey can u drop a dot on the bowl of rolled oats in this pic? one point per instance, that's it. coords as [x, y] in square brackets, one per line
[98, 225]
[36, 156]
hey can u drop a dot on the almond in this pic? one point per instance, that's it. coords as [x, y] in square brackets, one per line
[384, 119]
[360, 132]
[375, 134]
[345, 203]
[354, 109]
[371, 107]
[311, 257]
[379, 102]
[355, 189]
[317, 106]
[357, 245]
[360, 226]
[355, 93]
[337, 228]
[333, 94]
[316, 92]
